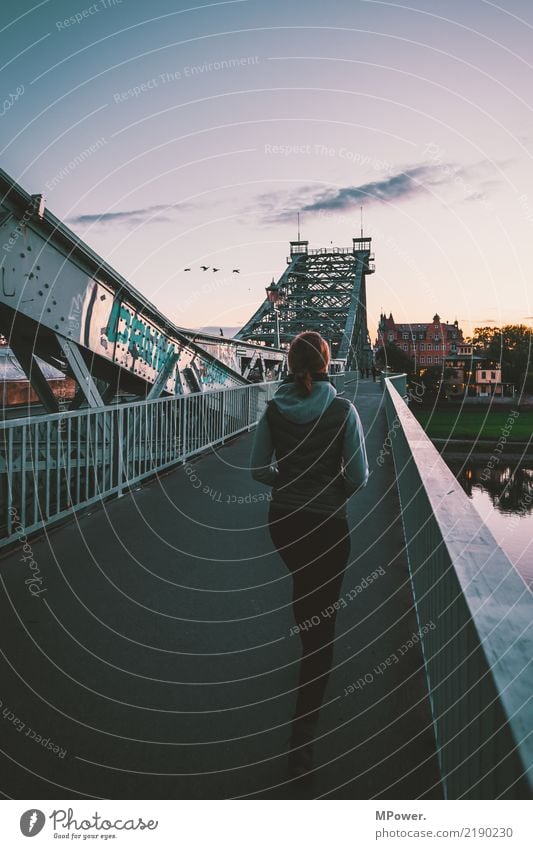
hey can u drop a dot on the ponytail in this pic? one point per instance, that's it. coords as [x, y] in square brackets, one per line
[304, 380]
[308, 354]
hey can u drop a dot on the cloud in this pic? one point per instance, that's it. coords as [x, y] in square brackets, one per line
[147, 215]
[482, 193]
[404, 185]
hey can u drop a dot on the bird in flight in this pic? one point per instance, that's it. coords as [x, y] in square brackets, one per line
[206, 268]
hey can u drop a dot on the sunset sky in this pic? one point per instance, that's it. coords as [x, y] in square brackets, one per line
[175, 134]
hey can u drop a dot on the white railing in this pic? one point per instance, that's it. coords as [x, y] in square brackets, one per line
[53, 465]
[342, 379]
[476, 616]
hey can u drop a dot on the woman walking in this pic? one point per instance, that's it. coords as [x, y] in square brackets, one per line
[319, 446]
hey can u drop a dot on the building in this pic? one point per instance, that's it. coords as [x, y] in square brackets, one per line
[16, 390]
[471, 374]
[428, 344]
[467, 371]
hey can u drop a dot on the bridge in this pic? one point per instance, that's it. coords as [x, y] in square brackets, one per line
[322, 289]
[62, 303]
[147, 647]
[146, 641]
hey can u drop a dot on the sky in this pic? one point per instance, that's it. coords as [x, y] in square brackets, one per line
[172, 135]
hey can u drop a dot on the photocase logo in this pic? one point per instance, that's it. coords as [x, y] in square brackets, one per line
[32, 822]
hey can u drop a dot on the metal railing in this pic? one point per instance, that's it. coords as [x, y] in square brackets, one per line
[53, 465]
[475, 615]
[341, 378]
[323, 251]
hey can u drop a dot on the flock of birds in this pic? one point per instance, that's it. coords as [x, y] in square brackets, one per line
[206, 268]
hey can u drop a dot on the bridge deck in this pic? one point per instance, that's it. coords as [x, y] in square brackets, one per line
[159, 656]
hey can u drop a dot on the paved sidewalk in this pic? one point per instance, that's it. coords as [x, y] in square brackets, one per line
[158, 662]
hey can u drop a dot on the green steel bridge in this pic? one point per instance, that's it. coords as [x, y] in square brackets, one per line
[146, 644]
[146, 621]
[322, 289]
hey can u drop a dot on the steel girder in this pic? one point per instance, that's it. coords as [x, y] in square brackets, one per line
[322, 290]
[62, 302]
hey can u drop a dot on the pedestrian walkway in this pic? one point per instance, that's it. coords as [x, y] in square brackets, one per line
[158, 661]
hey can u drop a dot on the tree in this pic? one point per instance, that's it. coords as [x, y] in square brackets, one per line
[482, 337]
[512, 345]
[433, 380]
[392, 357]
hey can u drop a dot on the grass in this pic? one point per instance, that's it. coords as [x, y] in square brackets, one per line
[473, 422]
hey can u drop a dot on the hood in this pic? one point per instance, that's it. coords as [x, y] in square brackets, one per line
[303, 409]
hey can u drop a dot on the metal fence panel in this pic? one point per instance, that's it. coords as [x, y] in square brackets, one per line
[53, 465]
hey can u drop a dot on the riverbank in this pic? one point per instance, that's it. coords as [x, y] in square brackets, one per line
[482, 451]
[484, 426]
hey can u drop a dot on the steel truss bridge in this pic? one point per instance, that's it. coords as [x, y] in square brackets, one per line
[321, 289]
[149, 393]
[448, 604]
[62, 302]
[462, 730]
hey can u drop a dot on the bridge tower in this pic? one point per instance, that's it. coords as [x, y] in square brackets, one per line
[322, 289]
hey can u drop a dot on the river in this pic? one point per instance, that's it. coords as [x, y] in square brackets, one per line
[503, 496]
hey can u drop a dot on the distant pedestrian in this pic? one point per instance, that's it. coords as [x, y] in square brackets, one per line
[374, 373]
[319, 446]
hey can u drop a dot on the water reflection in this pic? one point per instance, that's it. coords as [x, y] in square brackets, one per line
[509, 486]
[503, 496]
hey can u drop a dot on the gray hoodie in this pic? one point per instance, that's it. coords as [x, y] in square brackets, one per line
[302, 410]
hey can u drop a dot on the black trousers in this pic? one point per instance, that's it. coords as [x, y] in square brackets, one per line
[315, 549]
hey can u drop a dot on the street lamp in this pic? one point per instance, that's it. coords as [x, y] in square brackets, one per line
[276, 319]
[273, 295]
